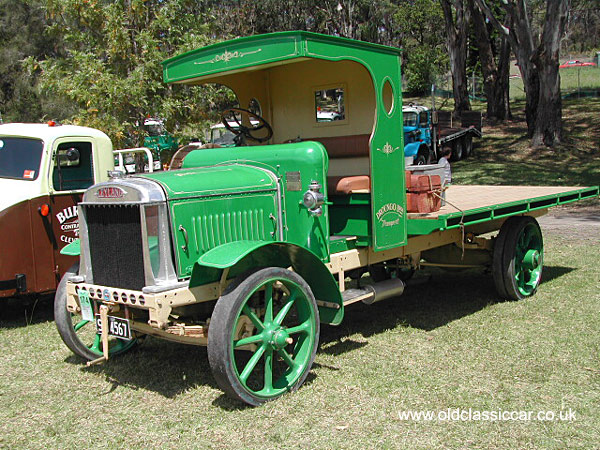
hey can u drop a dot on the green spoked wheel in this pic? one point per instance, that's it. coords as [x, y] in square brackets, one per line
[263, 335]
[518, 258]
[80, 335]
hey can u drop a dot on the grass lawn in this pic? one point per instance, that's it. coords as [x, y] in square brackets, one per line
[448, 344]
[503, 155]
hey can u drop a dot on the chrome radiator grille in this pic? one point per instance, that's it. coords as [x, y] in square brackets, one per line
[115, 245]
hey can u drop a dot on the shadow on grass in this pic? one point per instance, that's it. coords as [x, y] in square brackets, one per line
[22, 312]
[446, 297]
[172, 369]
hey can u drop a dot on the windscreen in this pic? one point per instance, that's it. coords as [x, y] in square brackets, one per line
[410, 119]
[20, 157]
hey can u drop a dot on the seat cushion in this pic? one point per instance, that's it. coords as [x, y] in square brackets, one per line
[358, 184]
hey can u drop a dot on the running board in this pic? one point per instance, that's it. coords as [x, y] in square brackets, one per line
[376, 292]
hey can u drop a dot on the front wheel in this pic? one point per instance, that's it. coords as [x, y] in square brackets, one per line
[80, 335]
[263, 335]
[518, 258]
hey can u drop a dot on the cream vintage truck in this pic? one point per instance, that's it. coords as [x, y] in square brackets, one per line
[44, 170]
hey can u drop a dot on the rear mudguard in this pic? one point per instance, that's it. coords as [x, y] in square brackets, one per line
[240, 256]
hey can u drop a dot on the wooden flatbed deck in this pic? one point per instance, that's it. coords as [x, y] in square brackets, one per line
[474, 204]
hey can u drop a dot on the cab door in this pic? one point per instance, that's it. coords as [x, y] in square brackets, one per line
[71, 173]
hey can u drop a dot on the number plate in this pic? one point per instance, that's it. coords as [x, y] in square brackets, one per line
[117, 327]
[87, 313]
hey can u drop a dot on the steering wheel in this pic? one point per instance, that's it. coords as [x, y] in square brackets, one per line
[242, 131]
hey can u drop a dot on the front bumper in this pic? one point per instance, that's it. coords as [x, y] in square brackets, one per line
[158, 305]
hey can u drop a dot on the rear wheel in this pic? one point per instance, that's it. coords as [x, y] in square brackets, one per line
[457, 150]
[263, 335]
[518, 258]
[468, 146]
[78, 334]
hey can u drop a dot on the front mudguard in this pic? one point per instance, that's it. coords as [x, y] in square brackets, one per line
[240, 256]
[412, 149]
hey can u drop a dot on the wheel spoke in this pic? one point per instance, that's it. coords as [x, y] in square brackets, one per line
[287, 358]
[248, 340]
[268, 370]
[252, 363]
[253, 317]
[80, 324]
[96, 345]
[286, 308]
[304, 327]
[269, 303]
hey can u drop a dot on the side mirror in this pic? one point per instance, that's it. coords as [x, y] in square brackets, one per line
[69, 157]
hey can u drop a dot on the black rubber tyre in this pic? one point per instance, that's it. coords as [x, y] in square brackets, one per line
[457, 150]
[517, 237]
[239, 301]
[468, 146]
[73, 339]
[420, 160]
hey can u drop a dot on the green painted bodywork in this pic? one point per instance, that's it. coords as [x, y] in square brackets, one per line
[245, 255]
[239, 208]
[212, 206]
[72, 249]
[212, 63]
[309, 159]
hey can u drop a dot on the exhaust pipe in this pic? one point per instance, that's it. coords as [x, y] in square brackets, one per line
[375, 292]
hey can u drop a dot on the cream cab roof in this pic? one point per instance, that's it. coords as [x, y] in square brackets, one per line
[47, 132]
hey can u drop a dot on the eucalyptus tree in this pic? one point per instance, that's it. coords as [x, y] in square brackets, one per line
[538, 58]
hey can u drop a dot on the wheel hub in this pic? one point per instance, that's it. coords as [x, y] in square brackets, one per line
[279, 338]
[531, 259]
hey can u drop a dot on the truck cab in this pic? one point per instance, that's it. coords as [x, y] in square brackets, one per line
[417, 127]
[44, 170]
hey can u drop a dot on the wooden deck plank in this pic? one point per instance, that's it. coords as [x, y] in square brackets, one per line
[474, 196]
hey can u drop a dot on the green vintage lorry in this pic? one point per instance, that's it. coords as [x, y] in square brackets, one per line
[248, 249]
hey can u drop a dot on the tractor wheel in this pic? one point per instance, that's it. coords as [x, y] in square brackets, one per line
[263, 335]
[518, 258]
[80, 335]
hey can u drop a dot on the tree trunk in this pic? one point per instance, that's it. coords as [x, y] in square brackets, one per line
[538, 65]
[495, 76]
[503, 100]
[548, 125]
[456, 28]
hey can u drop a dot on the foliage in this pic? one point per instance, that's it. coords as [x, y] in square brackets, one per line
[109, 63]
[20, 37]
[422, 38]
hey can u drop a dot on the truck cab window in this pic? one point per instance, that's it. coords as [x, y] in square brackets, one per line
[329, 105]
[73, 168]
[20, 157]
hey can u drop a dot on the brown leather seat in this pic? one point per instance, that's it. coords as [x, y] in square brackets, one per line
[348, 185]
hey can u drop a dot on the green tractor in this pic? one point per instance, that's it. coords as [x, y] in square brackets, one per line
[162, 144]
